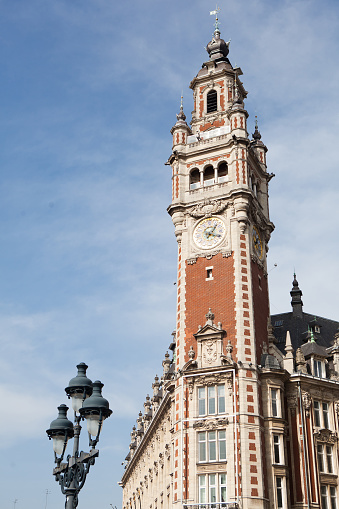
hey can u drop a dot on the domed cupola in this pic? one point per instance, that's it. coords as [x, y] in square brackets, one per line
[217, 48]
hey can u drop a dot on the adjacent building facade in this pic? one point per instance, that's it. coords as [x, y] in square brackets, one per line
[246, 411]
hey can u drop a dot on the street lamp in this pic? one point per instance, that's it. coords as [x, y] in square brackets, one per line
[87, 403]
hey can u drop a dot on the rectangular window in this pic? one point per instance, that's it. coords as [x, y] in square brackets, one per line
[276, 445]
[325, 415]
[320, 452]
[279, 486]
[221, 399]
[274, 402]
[212, 489]
[212, 446]
[202, 489]
[316, 408]
[202, 446]
[317, 368]
[323, 493]
[201, 400]
[329, 459]
[222, 445]
[333, 498]
[211, 400]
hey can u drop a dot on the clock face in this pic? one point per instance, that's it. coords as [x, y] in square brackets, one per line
[257, 244]
[209, 232]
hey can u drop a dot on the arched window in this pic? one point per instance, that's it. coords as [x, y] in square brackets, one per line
[208, 176]
[212, 101]
[194, 179]
[222, 172]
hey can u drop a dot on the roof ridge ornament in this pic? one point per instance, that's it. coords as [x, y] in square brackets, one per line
[216, 24]
[256, 135]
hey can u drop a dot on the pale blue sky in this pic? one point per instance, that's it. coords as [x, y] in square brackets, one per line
[89, 92]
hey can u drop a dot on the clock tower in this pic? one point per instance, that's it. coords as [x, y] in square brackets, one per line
[220, 212]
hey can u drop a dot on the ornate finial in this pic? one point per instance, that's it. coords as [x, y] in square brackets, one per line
[209, 317]
[191, 353]
[181, 115]
[229, 349]
[256, 135]
[216, 24]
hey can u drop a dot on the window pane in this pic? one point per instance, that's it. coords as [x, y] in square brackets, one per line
[211, 400]
[274, 402]
[201, 398]
[276, 448]
[320, 451]
[279, 493]
[202, 489]
[316, 413]
[329, 459]
[221, 399]
[222, 445]
[333, 498]
[212, 446]
[202, 446]
[324, 504]
[325, 415]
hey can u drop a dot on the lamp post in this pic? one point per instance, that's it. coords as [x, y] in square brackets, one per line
[87, 403]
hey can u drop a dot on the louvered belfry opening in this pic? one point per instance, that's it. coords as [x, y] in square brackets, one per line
[212, 101]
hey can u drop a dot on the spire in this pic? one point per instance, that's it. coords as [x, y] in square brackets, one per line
[256, 135]
[217, 48]
[181, 117]
[296, 302]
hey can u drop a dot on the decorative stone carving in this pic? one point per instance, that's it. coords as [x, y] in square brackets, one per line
[292, 402]
[191, 261]
[191, 353]
[326, 436]
[210, 351]
[306, 397]
[336, 407]
[226, 254]
[210, 424]
[161, 460]
[300, 361]
[191, 388]
[210, 379]
[207, 208]
[229, 383]
[167, 451]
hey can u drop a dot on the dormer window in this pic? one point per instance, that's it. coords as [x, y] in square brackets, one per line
[212, 101]
[318, 368]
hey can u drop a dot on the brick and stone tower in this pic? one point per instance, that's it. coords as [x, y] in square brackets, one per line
[220, 212]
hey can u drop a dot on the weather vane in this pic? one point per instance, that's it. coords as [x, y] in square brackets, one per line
[217, 10]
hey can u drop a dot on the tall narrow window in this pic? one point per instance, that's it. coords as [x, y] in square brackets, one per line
[317, 368]
[323, 492]
[279, 487]
[212, 488]
[221, 399]
[202, 446]
[202, 489]
[320, 452]
[222, 445]
[222, 487]
[274, 402]
[211, 399]
[333, 496]
[201, 401]
[276, 445]
[329, 459]
[325, 416]
[212, 101]
[222, 172]
[212, 446]
[316, 408]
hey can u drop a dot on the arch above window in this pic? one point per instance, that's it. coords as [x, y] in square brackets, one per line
[222, 172]
[194, 179]
[212, 101]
